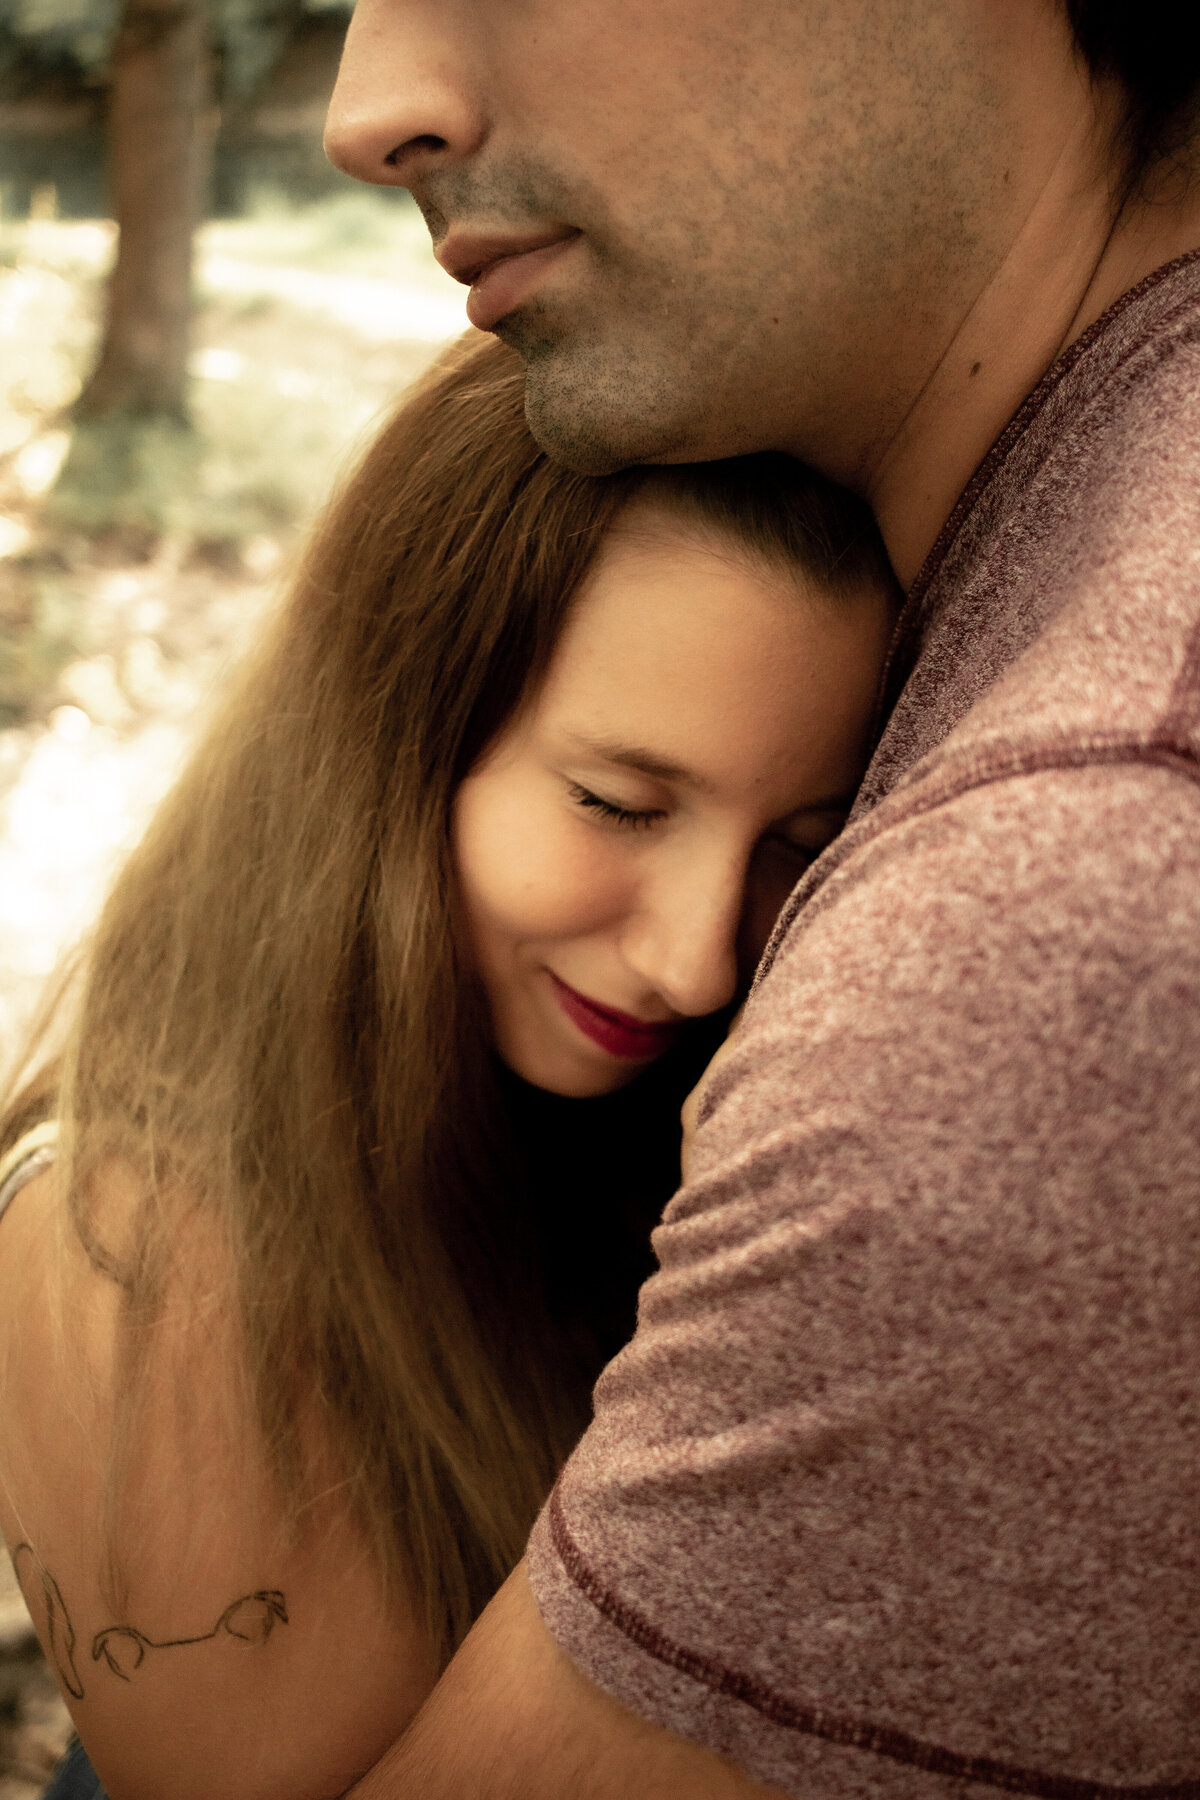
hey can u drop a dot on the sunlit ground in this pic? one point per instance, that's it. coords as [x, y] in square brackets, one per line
[308, 325]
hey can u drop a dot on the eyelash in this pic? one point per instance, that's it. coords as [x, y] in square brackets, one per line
[625, 816]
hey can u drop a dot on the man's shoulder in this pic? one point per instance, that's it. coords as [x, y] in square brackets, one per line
[1060, 657]
[1030, 855]
[1063, 597]
[997, 960]
[940, 1241]
[1095, 475]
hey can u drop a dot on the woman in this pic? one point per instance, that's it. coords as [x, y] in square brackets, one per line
[370, 1095]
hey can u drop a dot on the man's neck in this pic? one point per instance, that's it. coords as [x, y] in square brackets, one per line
[1069, 263]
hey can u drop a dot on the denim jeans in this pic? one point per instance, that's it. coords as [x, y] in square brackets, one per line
[75, 1778]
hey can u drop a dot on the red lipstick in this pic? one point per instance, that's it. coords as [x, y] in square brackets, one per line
[621, 1035]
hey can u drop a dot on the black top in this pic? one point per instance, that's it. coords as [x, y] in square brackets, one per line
[597, 1174]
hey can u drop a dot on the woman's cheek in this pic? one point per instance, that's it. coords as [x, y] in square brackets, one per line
[565, 883]
[528, 866]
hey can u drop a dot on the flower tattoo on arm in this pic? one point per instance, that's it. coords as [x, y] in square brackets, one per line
[248, 1620]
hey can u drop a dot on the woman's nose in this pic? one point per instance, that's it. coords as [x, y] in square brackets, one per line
[405, 99]
[683, 941]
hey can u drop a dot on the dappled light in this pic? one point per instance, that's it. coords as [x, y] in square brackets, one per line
[120, 610]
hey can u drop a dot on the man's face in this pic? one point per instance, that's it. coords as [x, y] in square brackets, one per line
[721, 220]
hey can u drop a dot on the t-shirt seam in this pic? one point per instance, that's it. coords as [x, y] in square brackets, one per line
[811, 1721]
[1162, 750]
[1172, 752]
[1168, 746]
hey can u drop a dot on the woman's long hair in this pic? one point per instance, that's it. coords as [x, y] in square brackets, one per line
[275, 1028]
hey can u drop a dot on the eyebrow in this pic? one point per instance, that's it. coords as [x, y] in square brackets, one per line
[648, 762]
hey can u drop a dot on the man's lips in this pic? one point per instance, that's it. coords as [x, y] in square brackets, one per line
[621, 1035]
[501, 272]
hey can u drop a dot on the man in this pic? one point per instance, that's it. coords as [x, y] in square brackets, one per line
[893, 1492]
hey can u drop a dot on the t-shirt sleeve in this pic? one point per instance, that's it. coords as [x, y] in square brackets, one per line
[893, 1493]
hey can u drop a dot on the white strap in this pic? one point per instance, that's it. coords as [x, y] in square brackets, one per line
[30, 1154]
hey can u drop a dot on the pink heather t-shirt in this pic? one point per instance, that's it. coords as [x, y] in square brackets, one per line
[896, 1490]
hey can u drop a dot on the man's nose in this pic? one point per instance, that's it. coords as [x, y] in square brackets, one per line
[683, 940]
[405, 99]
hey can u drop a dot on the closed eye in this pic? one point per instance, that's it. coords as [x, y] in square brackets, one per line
[803, 854]
[627, 816]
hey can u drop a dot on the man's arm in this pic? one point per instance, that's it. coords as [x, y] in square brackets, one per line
[894, 1486]
[513, 1719]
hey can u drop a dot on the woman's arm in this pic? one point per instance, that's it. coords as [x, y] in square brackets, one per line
[218, 1654]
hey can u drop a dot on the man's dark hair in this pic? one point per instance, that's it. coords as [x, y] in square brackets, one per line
[1153, 48]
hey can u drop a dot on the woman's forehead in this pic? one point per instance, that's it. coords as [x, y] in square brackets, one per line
[681, 657]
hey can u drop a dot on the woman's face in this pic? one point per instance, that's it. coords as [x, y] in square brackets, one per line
[624, 847]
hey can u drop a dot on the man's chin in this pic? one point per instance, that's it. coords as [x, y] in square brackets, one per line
[588, 406]
[571, 442]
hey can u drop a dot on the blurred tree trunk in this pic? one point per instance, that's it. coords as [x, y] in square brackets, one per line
[160, 152]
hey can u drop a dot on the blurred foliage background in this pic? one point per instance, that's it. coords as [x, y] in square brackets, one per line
[138, 546]
[273, 64]
[309, 300]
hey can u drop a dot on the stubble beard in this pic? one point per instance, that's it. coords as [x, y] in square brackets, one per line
[597, 406]
[635, 367]
[631, 368]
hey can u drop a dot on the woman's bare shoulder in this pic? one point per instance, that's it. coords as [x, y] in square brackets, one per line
[203, 1640]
